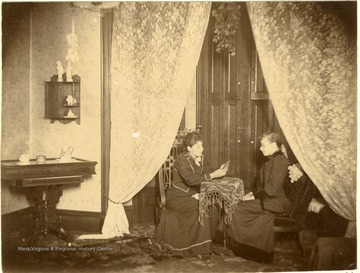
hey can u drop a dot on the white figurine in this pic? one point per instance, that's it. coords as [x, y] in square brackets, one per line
[60, 71]
[70, 114]
[70, 100]
[69, 72]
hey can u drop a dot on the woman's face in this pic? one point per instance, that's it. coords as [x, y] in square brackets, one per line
[197, 149]
[267, 147]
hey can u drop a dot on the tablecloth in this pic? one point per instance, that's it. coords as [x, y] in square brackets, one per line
[226, 192]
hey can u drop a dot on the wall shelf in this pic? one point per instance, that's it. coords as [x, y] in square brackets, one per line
[56, 107]
[75, 105]
[70, 117]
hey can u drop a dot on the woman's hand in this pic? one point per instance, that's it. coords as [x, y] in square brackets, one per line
[315, 206]
[248, 196]
[196, 196]
[225, 166]
[219, 172]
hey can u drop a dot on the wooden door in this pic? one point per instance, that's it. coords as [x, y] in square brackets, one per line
[233, 104]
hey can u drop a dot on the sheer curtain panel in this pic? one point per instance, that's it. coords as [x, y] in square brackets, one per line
[155, 50]
[307, 52]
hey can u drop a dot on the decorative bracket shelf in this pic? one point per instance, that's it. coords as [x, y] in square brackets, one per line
[57, 104]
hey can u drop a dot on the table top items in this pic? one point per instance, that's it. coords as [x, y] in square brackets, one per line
[15, 174]
[225, 192]
[66, 154]
[24, 158]
[40, 159]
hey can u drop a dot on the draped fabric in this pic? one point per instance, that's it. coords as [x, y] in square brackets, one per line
[308, 56]
[225, 192]
[156, 47]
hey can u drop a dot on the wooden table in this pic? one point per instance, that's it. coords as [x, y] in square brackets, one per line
[43, 188]
[226, 192]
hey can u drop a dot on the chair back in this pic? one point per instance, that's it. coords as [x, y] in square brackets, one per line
[165, 174]
[300, 194]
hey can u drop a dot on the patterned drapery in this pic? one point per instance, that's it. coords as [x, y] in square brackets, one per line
[156, 47]
[308, 56]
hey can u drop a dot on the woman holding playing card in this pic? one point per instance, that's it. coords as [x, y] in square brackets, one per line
[179, 231]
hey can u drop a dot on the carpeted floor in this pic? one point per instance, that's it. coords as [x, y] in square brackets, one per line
[126, 255]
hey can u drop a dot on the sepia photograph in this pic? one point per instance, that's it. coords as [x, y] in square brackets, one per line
[178, 136]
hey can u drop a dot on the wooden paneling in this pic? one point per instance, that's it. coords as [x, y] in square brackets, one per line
[72, 220]
[144, 204]
[106, 39]
[86, 221]
[231, 118]
[15, 221]
[258, 87]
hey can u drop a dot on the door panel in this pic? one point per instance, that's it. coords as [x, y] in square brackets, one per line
[261, 125]
[214, 140]
[230, 134]
[231, 117]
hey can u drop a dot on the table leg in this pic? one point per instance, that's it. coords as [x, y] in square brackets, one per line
[44, 217]
[53, 220]
[224, 235]
[35, 227]
[224, 223]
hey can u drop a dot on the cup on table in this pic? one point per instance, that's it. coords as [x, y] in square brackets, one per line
[40, 159]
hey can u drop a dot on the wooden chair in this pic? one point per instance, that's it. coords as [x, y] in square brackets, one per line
[165, 177]
[300, 194]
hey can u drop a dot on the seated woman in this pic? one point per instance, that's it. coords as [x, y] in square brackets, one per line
[179, 231]
[251, 234]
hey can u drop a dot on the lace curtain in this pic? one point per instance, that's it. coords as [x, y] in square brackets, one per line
[156, 47]
[308, 57]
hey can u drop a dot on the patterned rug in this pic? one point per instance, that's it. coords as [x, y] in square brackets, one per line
[126, 255]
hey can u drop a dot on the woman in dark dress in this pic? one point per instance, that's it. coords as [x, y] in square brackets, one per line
[251, 234]
[179, 231]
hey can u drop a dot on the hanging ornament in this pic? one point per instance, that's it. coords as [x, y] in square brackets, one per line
[72, 56]
[227, 21]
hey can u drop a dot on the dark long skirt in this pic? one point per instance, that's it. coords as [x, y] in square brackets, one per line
[251, 233]
[179, 231]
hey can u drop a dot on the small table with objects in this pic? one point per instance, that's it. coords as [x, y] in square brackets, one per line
[43, 184]
[225, 192]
